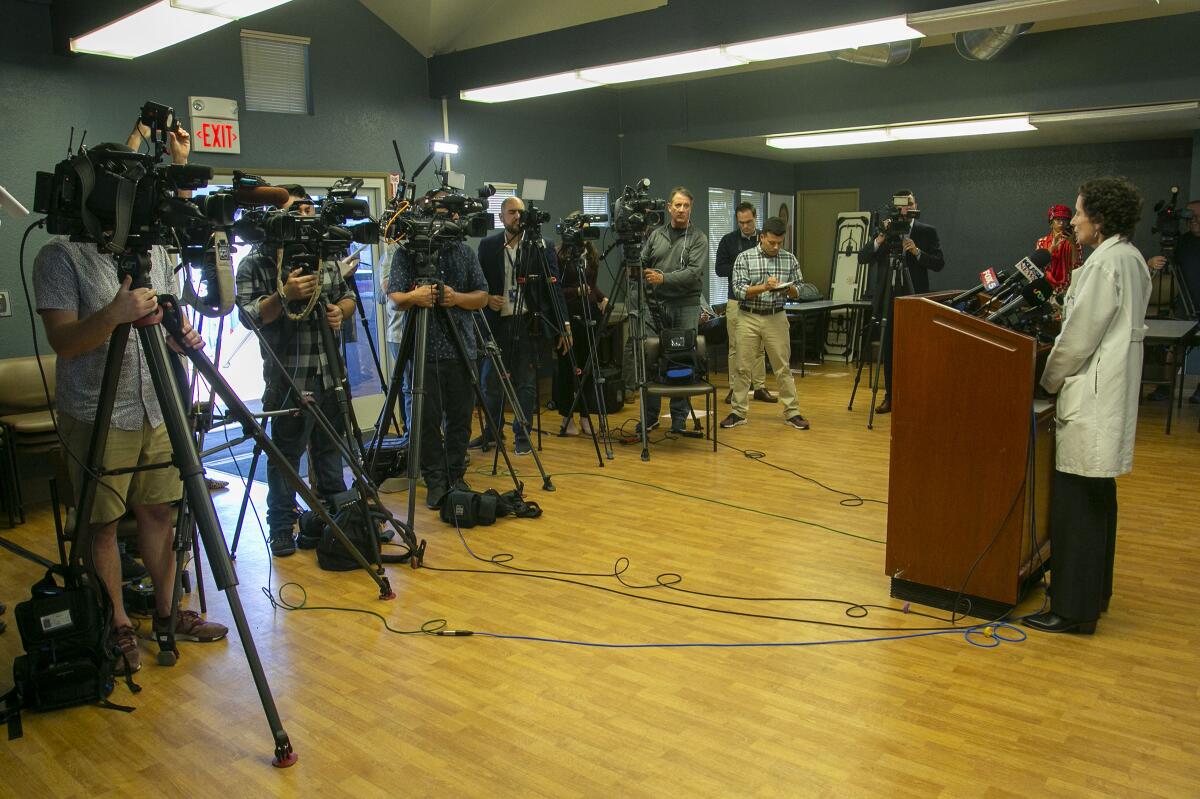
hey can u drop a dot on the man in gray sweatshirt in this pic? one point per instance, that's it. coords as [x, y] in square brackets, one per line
[675, 257]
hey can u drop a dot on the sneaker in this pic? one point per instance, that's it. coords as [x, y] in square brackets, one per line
[570, 429]
[585, 427]
[129, 658]
[482, 442]
[460, 485]
[189, 626]
[216, 485]
[1159, 394]
[283, 543]
[678, 431]
[732, 420]
[523, 447]
[762, 395]
[729, 397]
[650, 428]
[798, 422]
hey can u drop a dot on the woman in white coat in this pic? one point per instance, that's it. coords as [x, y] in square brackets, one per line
[1095, 368]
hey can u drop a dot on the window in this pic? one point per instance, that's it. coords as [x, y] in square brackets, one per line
[503, 192]
[595, 201]
[720, 221]
[759, 200]
[275, 72]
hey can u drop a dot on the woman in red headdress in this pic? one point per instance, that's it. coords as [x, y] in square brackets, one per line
[1065, 254]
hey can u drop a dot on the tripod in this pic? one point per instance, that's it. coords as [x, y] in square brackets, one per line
[536, 289]
[345, 443]
[590, 373]
[896, 279]
[414, 347]
[170, 399]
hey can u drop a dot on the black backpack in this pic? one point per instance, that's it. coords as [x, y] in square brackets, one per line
[67, 660]
[679, 362]
[348, 513]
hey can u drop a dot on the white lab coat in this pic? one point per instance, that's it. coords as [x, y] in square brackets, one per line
[1096, 364]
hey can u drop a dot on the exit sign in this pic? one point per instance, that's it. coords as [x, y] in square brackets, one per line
[215, 125]
[215, 135]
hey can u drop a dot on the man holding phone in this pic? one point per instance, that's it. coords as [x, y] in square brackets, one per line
[284, 313]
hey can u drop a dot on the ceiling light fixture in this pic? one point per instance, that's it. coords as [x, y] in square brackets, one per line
[164, 23]
[824, 40]
[889, 133]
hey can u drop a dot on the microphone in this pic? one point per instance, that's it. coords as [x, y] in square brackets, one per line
[11, 204]
[989, 280]
[1027, 270]
[254, 196]
[1036, 293]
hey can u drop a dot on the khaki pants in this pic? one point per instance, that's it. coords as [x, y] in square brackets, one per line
[125, 449]
[758, 374]
[769, 332]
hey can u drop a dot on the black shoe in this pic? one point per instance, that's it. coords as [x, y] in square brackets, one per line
[732, 420]
[885, 406]
[434, 494]
[130, 569]
[460, 485]
[1195, 398]
[480, 442]
[283, 544]
[1104, 606]
[1050, 622]
[762, 395]
[1159, 394]
[650, 428]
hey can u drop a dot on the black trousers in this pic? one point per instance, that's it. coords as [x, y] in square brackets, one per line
[449, 401]
[564, 377]
[1083, 540]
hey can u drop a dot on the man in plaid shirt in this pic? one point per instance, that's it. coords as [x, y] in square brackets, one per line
[763, 279]
[296, 342]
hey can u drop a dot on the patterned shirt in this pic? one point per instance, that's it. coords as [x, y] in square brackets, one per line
[752, 268]
[76, 276]
[296, 344]
[457, 267]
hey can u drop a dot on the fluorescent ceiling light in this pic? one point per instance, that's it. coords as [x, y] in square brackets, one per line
[971, 127]
[164, 23]
[841, 138]
[662, 66]
[144, 31]
[521, 89]
[1126, 113]
[444, 147]
[230, 9]
[878, 135]
[825, 40]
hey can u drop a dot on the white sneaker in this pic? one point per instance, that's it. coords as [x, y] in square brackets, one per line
[570, 429]
[585, 427]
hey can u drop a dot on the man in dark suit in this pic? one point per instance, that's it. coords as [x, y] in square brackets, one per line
[521, 341]
[922, 255]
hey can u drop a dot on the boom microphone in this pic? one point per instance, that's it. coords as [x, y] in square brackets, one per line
[255, 196]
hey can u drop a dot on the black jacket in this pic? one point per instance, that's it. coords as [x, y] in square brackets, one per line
[731, 246]
[491, 258]
[931, 260]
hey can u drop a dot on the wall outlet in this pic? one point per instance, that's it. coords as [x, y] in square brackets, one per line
[5, 308]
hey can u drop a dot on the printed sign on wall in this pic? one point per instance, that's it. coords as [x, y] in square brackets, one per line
[215, 125]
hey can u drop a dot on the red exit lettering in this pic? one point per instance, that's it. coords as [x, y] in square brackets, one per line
[217, 134]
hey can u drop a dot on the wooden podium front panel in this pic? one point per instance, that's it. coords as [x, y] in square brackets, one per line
[962, 393]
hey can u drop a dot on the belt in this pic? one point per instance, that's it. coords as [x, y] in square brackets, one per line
[762, 312]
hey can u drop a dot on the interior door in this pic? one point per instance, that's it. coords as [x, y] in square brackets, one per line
[816, 225]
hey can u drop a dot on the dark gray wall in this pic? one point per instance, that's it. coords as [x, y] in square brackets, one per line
[990, 206]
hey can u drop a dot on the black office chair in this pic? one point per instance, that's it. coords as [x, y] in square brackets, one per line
[673, 391]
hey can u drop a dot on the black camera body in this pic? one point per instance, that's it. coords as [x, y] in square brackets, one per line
[1169, 220]
[634, 212]
[897, 217]
[577, 227]
[532, 218]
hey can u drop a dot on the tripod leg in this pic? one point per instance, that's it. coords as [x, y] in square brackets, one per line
[237, 532]
[200, 502]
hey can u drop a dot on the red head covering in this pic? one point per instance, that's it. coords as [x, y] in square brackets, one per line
[1059, 212]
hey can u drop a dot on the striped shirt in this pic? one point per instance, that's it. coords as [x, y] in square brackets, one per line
[752, 268]
[296, 344]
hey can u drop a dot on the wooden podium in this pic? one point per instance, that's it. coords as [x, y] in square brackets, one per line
[968, 505]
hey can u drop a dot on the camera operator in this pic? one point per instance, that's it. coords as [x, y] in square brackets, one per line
[575, 293]
[449, 398]
[81, 302]
[922, 255]
[266, 306]
[521, 344]
[675, 257]
[1187, 262]
[733, 244]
